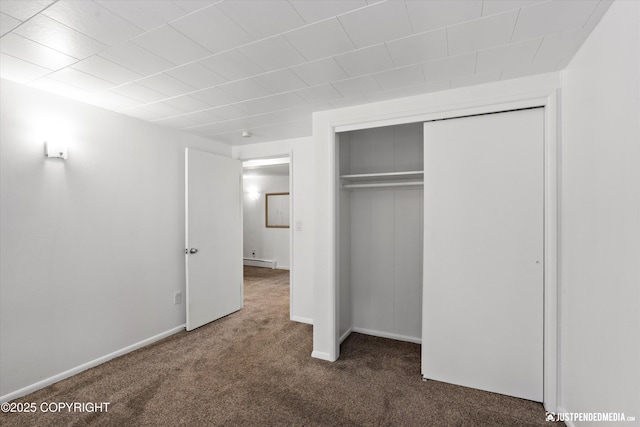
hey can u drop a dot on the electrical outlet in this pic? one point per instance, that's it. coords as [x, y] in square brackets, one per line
[177, 298]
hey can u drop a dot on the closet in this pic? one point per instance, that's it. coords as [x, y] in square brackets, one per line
[440, 241]
[380, 216]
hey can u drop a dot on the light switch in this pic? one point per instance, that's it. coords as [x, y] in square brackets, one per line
[298, 225]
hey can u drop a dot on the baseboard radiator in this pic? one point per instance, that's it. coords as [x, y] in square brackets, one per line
[255, 262]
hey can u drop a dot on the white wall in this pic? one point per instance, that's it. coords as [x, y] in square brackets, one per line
[600, 239]
[268, 243]
[92, 247]
[303, 194]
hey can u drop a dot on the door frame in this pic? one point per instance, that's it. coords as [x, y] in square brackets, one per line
[276, 155]
[549, 100]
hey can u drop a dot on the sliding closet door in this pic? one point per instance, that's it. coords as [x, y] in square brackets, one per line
[483, 253]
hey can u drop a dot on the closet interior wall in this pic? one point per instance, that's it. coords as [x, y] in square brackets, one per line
[380, 231]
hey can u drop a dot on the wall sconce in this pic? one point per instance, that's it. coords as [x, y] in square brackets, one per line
[254, 193]
[55, 150]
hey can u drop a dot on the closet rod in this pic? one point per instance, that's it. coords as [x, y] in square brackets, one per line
[384, 184]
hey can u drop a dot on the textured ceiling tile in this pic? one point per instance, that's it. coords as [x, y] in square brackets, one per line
[482, 33]
[146, 14]
[7, 23]
[365, 61]
[172, 45]
[400, 77]
[552, 17]
[53, 34]
[475, 79]
[433, 14]
[166, 84]
[267, 104]
[377, 23]
[419, 48]
[318, 94]
[321, 71]
[263, 18]
[106, 70]
[81, 80]
[33, 52]
[245, 89]
[357, 86]
[452, 66]
[273, 53]
[212, 29]
[214, 97]
[138, 92]
[493, 7]
[232, 65]
[559, 47]
[136, 58]
[507, 56]
[334, 39]
[314, 10]
[23, 10]
[197, 75]
[280, 81]
[93, 20]
[186, 103]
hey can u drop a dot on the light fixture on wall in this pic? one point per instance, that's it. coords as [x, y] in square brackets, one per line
[254, 193]
[246, 134]
[55, 150]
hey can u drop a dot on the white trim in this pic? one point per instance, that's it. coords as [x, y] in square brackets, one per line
[300, 319]
[345, 335]
[389, 335]
[322, 356]
[91, 364]
[547, 98]
[257, 262]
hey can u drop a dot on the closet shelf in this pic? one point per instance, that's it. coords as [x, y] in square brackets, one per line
[383, 176]
[383, 184]
[382, 180]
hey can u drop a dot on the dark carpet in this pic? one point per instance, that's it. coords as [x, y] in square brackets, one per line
[254, 368]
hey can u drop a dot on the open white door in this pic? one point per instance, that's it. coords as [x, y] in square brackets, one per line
[213, 237]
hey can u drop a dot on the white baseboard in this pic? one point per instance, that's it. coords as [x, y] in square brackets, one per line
[321, 355]
[91, 364]
[345, 335]
[387, 335]
[302, 320]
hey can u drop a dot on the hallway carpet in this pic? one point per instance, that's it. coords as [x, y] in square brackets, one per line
[254, 368]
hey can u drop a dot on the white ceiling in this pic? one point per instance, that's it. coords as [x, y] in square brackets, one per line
[216, 68]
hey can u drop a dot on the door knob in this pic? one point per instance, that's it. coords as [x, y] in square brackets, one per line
[193, 251]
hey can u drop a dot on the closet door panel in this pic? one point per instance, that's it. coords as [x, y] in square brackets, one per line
[360, 257]
[382, 258]
[483, 252]
[408, 263]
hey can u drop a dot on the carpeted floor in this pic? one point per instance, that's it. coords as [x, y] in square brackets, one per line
[254, 368]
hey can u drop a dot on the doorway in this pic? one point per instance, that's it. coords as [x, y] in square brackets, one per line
[267, 210]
